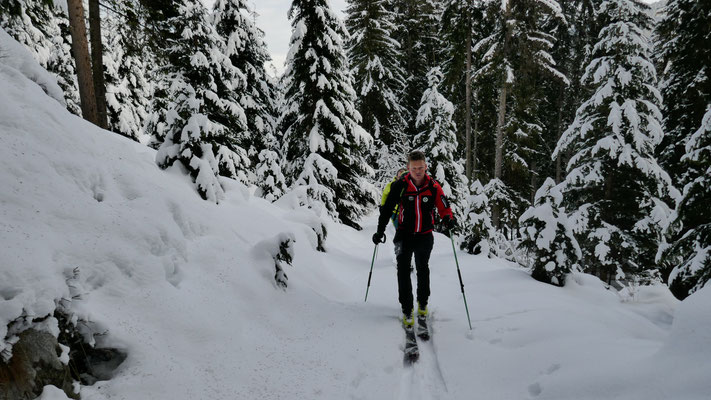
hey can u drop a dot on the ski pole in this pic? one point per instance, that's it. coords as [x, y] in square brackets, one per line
[461, 284]
[375, 252]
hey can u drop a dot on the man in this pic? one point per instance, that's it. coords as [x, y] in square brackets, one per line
[417, 195]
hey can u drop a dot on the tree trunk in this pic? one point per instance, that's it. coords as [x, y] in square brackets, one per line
[562, 96]
[97, 62]
[475, 162]
[499, 155]
[468, 102]
[80, 48]
[534, 181]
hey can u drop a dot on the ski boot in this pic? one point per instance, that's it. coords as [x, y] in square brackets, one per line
[423, 331]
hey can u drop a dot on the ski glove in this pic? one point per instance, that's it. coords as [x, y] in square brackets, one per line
[448, 223]
[379, 237]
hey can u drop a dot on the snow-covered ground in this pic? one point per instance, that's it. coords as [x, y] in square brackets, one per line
[187, 289]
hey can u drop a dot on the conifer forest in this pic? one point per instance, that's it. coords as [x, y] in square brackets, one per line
[569, 136]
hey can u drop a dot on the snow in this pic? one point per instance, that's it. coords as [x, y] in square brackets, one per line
[186, 287]
[52, 393]
[14, 55]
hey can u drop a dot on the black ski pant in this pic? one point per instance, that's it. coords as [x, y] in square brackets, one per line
[407, 244]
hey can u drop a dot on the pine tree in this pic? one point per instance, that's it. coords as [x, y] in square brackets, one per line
[683, 39]
[325, 146]
[438, 140]
[510, 206]
[378, 80]
[548, 237]
[614, 185]
[201, 124]
[479, 232]
[247, 51]
[516, 55]
[128, 89]
[416, 29]
[462, 25]
[574, 38]
[690, 254]
[43, 29]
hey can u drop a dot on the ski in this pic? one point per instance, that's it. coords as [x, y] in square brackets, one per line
[412, 353]
[423, 331]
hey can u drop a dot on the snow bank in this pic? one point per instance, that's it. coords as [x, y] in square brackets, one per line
[88, 220]
[13, 56]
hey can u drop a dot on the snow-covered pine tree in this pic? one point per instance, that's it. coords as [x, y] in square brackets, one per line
[464, 24]
[683, 41]
[516, 54]
[416, 29]
[43, 28]
[511, 206]
[548, 237]
[128, 89]
[202, 122]
[378, 80]
[437, 138]
[574, 38]
[270, 177]
[245, 47]
[325, 146]
[479, 232]
[690, 254]
[614, 185]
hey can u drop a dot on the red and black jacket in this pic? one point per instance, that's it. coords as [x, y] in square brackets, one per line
[417, 205]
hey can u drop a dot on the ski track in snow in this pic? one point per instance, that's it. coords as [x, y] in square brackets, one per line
[424, 379]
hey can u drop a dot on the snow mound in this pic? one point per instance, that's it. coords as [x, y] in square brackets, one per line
[13, 56]
[690, 335]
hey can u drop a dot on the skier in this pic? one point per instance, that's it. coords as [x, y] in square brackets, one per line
[386, 192]
[416, 194]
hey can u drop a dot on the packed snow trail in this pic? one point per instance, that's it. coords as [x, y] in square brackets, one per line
[423, 379]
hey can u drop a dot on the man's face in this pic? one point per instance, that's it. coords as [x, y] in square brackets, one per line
[417, 169]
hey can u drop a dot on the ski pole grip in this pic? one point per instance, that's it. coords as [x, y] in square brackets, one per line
[385, 238]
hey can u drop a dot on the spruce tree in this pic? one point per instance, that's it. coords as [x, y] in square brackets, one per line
[614, 185]
[516, 55]
[437, 138]
[548, 237]
[43, 29]
[378, 80]
[683, 38]
[690, 253]
[574, 39]
[202, 122]
[270, 177]
[479, 232]
[325, 146]
[128, 89]
[245, 47]
[463, 25]
[416, 29]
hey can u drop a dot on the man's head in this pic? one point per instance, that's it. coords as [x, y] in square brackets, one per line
[417, 166]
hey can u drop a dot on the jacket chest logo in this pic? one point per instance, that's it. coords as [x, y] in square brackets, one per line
[425, 199]
[411, 198]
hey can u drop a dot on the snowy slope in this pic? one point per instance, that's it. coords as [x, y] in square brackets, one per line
[187, 289]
